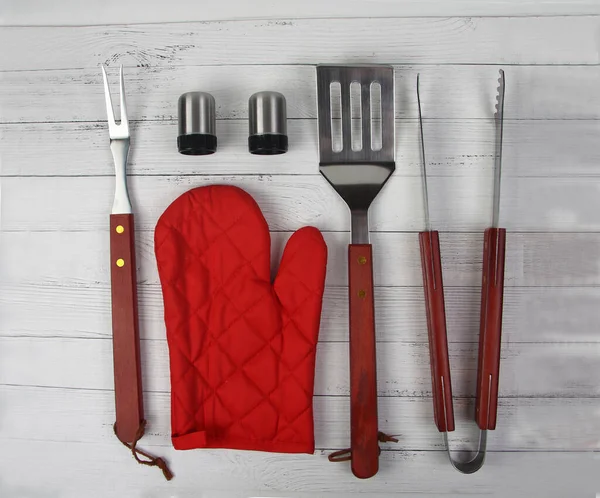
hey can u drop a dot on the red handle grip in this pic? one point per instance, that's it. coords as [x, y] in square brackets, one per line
[363, 374]
[433, 286]
[490, 332]
[126, 341]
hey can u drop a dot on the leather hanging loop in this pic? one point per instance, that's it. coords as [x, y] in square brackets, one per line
[136, 452]
[384, 438]
[344, 455]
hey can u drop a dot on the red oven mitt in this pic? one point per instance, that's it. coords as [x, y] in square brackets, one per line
[241, 348]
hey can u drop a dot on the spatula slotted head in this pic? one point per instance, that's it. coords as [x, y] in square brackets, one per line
[356, 129]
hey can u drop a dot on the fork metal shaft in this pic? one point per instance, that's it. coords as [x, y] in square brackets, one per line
[120, 151]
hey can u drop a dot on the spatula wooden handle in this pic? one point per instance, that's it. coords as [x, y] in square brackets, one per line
[363, 373]
[490, 332]
[433, 286]
[126, 340]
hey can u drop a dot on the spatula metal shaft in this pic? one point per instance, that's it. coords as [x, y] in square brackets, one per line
[360, 226]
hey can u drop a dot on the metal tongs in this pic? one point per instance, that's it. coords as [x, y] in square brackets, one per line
[491, 311]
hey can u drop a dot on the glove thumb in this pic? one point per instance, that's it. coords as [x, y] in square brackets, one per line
[300, 280]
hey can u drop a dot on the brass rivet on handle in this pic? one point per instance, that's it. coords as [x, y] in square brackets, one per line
[119, 229]
[362, 293]
[120, 262]
[362, 260]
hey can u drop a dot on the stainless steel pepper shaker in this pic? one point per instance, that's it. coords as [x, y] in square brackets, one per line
[197, 124]
[267, 115]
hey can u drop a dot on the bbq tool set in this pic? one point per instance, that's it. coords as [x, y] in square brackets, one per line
[356, 132]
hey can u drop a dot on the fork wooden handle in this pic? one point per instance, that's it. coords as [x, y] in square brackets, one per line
[433, 286]
[490, 332]
[363, 373]
[126, 341]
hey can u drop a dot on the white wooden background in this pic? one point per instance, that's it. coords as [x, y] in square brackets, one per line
[56, 398]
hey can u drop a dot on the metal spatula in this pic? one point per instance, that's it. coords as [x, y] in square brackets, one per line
[357, 158]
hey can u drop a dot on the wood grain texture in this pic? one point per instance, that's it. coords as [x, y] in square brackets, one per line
[29, 12]
[560, 426]
[129, 403]
[364, 428]
[532, 260]
[455, 147]
[237, 474]
[490, 330]
[437, 332]
[290, 202]
[447, 91]
[527, 370]
[531, 314]
[395, 40]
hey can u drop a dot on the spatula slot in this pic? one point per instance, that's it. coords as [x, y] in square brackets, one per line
[364, 110]
[376, 140]
[355, 116]
[335, 97]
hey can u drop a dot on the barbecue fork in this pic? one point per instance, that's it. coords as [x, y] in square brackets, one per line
[491, 311]
[129, 407]
[126, 351]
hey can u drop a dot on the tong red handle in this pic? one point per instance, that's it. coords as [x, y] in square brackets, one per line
[363, 373]
[126, 340]
[433, 285]
[490, 332]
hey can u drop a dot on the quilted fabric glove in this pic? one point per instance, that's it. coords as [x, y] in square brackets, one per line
[241, 348]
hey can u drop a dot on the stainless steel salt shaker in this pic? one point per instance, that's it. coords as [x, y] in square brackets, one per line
[197, 124]
[267, 116]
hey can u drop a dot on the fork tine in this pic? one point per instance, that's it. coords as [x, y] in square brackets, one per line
[123, 105]
[109, 107]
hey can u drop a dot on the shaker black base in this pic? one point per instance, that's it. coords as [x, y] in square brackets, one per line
[197, 144]
[268, 144]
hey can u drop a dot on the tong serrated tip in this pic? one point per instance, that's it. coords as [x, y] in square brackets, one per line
[500, 95]
[499, 118]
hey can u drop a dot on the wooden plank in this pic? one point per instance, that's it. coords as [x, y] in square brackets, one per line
[532, 148]
[448, 91]
[108, 470]
[527, 370]
[72, 13]
[562, 425]
[531, 314]
[81, 259]
[290, 202]
[449, 40]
